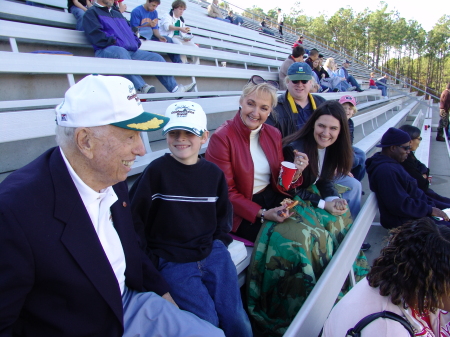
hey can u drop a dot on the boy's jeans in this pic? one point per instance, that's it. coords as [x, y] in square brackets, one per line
[209, 289]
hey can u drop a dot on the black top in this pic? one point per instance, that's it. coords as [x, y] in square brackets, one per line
[70, 3]
[415, 169]
[180, 209]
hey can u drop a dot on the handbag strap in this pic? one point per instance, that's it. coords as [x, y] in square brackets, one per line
[356, 331]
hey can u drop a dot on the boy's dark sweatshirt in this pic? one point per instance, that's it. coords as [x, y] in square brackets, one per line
[178, 210]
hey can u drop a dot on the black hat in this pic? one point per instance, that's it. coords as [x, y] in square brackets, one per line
[393, 137]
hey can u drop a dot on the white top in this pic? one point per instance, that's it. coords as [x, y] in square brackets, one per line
[260, 162]
[364, 300]
[98, 207]
[321, 159]
[166, 21]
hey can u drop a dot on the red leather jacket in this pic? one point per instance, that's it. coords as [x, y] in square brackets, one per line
[229, 148]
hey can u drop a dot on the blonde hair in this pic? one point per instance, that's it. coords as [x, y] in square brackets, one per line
[262, 89]
[327, 63]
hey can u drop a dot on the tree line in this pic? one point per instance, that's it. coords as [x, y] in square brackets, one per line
[382, 39]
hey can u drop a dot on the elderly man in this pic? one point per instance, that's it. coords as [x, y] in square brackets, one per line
[111, 36]
[70, 260]
[343, 72]
[399, 198]
[296, 105]
[296, 56]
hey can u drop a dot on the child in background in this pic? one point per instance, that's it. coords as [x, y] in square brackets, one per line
[145, 19]
[180, 205]
[78, 8]
[359, 157]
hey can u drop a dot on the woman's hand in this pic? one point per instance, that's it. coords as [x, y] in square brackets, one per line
[185, 29]
[336, 206]
[301, 162]
[277, 214]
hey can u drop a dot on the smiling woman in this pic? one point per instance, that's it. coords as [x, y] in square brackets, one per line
[249, 152]
[290, 256]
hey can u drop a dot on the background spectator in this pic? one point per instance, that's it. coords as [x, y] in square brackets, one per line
[296, 56]
[121, 43]
[145, 18]
[280, 20]
[444, 107]
[173, 26]
[376, 85]
[419, 171]
[234, 19]
[264, 29]
[343, 72]
[338, 83]
[215, 12]
[77, 8]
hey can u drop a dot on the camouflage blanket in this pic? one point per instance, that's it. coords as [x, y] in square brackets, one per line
[287, 261]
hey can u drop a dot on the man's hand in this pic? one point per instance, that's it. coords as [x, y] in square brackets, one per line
[153, 22]
[162, 39]
[437, 212]
[169, 298]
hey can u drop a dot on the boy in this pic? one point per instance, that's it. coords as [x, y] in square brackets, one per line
[145, 19]
[359, 157]
[180, 206]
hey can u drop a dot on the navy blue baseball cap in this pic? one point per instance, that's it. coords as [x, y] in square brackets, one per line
[299, 71]
[394, 136]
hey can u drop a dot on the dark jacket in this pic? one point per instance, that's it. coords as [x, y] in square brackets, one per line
[229, 148]
[325, 186]
[415, 169]
[399, 198]
[285, 120]
[104, 28]
[55, 277]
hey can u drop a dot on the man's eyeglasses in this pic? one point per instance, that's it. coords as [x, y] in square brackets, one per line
[406, 148]
[419, 138]
[303, 81]
[256, 79]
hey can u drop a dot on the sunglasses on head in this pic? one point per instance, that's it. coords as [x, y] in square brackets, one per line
[256, 79]
[297, 81]
[406, 148]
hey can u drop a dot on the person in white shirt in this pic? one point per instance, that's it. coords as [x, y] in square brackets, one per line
[173, 26]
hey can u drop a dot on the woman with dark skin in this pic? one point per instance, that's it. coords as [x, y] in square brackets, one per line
[419, 171]
[409, 278]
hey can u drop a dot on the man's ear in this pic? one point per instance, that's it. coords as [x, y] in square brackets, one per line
[84, 141]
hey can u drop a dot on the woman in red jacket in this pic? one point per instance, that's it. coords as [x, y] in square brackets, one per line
[250, 154]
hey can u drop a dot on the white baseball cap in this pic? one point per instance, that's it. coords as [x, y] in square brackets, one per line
[99, 100]
[186, 115]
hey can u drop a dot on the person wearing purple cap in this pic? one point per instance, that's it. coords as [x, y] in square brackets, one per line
[399, 198]
[71, 261]
[297, 104]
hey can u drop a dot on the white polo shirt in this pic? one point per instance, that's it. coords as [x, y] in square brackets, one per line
[98, 207]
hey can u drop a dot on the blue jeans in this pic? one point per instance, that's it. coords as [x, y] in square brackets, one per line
[359, 163]
[352, 81]
[226, 20]
[146, 314]
[78, 13]
[238, 20]
[266, 31]
[175, 58]
[115, 52]
[209, 289]
[353, 196]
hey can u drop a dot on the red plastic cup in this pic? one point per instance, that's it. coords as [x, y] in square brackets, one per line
[426, 127]
[287, 172]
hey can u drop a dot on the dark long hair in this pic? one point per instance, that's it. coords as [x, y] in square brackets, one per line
[414, 268]
[411, 130]
[339, 156]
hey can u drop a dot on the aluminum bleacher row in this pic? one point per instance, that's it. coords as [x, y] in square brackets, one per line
[32, 84]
